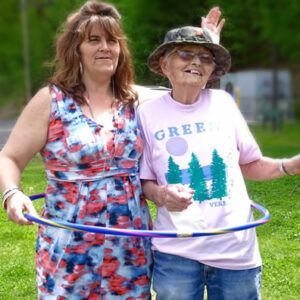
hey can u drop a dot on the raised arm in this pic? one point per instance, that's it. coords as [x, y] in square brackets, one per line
[213, 24]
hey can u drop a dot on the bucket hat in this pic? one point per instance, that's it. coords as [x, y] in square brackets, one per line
[189, 35]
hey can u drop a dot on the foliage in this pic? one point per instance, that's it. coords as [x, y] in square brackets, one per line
[44, 17]
[252, 31]
[10, 54]
[256, 27]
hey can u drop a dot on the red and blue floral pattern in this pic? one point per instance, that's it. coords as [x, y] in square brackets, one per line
[92, 176]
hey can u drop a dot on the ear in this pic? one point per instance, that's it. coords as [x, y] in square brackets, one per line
[163, 65]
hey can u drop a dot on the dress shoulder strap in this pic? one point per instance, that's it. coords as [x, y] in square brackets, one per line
[68, 109]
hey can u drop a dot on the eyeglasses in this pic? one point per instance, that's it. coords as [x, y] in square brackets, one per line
[205, 58]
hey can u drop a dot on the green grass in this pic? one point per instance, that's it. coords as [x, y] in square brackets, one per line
[279, 240]
[17, 250]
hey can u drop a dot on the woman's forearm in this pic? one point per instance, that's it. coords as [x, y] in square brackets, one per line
[9, 174]
[268, 168]
[153, 191]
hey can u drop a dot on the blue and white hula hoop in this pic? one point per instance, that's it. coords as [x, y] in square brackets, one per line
[149, 233]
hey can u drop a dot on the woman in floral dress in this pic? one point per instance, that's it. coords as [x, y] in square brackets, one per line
[84, 126]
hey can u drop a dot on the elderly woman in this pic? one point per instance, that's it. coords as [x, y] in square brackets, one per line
[197, 150]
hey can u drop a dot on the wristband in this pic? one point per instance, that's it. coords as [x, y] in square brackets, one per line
[9, 190]
[283, 169]
[8, 193]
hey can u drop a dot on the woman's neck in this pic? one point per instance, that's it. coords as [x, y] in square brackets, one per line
[99, 98]
[99, 90]
[186, 95]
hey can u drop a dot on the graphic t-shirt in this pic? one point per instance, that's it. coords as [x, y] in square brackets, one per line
[201, 145]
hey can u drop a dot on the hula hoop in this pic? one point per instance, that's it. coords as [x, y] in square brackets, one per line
[149, 233]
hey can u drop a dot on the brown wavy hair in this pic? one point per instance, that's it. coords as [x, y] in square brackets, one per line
[67, 74]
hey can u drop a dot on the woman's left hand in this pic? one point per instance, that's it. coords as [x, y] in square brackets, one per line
[212, 24]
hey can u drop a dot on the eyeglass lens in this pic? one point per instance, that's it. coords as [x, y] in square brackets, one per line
[205, 58]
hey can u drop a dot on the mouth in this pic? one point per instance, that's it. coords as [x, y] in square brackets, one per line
[104, 57]
[194, 72]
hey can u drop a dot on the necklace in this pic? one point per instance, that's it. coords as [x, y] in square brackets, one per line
[107, 117]
[90, 108]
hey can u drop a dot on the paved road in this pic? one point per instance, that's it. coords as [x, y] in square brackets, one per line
[5, 128]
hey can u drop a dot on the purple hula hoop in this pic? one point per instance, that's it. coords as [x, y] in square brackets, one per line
[148, 233]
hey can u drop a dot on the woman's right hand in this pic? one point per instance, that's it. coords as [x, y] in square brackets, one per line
[16, 205]
[213, 24]
[176, 197]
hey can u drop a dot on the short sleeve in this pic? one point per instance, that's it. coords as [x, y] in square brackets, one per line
[146, 169]
[247, 146]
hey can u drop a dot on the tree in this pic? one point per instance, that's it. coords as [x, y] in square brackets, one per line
[197, 180]
[146, 23]
[218, 173]
[251, 29]
[174, 173]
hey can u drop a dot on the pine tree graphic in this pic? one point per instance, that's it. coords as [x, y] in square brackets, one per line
[218, 173]
[174, 173]
[197, 180]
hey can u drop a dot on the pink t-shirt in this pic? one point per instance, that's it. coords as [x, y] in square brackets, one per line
[201, 146]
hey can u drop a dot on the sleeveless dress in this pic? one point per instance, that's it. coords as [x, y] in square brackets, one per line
[92, 179]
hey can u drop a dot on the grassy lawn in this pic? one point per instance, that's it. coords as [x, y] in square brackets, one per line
[279, 239]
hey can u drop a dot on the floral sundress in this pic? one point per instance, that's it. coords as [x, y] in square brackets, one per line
[92, 179]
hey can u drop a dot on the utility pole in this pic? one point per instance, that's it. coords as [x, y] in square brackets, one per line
[26, 53]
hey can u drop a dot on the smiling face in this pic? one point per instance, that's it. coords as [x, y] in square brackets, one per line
[99, 53]
[184, 69]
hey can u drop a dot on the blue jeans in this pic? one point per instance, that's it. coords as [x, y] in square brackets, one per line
[179, 278]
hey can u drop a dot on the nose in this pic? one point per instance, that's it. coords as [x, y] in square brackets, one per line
[103, 45]
[197, 60]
